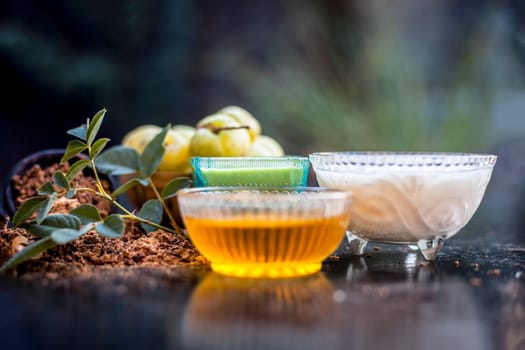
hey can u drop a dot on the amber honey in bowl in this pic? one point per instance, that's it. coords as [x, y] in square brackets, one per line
[259, 233]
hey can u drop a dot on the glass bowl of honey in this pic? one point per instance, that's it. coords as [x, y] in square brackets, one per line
[263, 232]
[406, 198]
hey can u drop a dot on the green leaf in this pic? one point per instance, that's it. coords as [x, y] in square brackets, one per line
[79, 132]
[46, 188]
[97, 147]
[66, 235]
[52, 223]
[118, 160]
[28, 208]
[170, 190]
[28, 252]
[61, 180]
[129, 185]
[76, 168]
[87, 213]
[152, 211]
[112, 227]
[94, 126]
[46, 207]
[152, 155]
[71, 192]
[73, 148]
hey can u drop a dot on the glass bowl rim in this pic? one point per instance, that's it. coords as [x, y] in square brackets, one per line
[403, 159]
[287, 157]
[220, 161]
[322, 193]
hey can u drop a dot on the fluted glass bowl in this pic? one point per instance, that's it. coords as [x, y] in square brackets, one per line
[250, 171]
[406, 198]
[265, 232]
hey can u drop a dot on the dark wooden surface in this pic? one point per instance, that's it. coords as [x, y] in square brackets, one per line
[471, 297]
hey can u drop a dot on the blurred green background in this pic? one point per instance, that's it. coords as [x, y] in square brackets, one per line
[434, 75]
[320, 75]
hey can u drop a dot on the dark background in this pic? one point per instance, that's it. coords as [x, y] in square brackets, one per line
[432, 75]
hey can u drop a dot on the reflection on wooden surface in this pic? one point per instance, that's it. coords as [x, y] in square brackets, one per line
[409, 268]
[513, 316]
[400, 301]
[230, 313]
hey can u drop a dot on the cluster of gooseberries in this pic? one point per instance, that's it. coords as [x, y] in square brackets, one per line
[230, 132]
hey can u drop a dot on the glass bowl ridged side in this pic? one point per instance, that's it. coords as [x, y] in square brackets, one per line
[406, 198]
[265, 233]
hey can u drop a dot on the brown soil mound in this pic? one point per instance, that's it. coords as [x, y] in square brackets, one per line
[27, 186]
[91, 251]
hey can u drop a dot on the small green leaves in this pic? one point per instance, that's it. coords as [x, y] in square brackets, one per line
[87, 213]
[46, 188]
[79, 132]
[97, 147]
[112, 227]
[52, 223]
[61, 180]
[73, 148]
[94, 126]
[28, 252]
[28, 208]
[152, 155]
[66, 235]
[170, 190]
[129, 185]
[46, 207]
[118, 160]
[76, 168]
[56, 229]
[71, 192]
[151, 211]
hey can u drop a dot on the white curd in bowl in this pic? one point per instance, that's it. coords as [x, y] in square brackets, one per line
[402, 198]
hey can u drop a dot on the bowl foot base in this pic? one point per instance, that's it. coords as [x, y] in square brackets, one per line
[430, 248]
[271, 270]
[357, 245]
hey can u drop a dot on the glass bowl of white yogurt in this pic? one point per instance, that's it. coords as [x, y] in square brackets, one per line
[406, 198]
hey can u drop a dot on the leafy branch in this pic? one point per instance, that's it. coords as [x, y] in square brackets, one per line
[59, 229]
